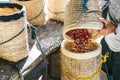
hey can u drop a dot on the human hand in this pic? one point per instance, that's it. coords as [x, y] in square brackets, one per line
[108, 27]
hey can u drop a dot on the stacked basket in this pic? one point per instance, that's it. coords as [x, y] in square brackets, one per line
[34, 10]
[85, 65]
[13, 32]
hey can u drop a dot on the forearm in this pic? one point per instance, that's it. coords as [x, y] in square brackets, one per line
[113, 40]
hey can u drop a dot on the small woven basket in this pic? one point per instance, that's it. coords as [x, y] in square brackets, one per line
[56, 9]
[80, 65]
[34, 10]
[13, 34]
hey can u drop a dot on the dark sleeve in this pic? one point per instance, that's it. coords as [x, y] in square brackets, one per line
[105, 11]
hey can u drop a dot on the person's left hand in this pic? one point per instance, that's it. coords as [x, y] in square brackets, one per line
[108, 27]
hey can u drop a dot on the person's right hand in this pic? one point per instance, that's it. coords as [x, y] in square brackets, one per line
[108, 27]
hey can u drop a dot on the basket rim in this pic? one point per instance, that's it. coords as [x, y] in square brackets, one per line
[26, 1]
[80, 26]
[80, 56]
[17, 15]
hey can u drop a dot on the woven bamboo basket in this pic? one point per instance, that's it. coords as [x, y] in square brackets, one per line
[8, 72]
[76, 18]
[73, 11]
[80, 65]
[56, 9]
[74, 15]
[34, 10]
[93, 5]
[13, 34]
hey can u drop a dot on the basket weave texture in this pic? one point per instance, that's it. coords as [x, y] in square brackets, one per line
[17, 48]
[93, 5]
[73, 11]
[8, 72]
[74, 14]
[76, 18]
[80, 68]
[74, 66]
[56, 9]
[34, 10]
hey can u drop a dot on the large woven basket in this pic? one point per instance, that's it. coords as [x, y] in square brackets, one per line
[80, 65]
[56, 9]
[13, 34]
[74, 14]
[8, 72]
[73, 11]
[93, 5]
[34, 10]
[76, 18]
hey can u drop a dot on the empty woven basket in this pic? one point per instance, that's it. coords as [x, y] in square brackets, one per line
[34, 10]
[56, 9]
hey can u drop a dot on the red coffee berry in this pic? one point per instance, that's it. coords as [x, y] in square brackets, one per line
[80, 36]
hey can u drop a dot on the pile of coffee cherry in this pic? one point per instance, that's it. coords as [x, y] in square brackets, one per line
[82, 41]
[80, 36]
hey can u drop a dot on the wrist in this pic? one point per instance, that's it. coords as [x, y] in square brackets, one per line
[117, 29]
[113, 28]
